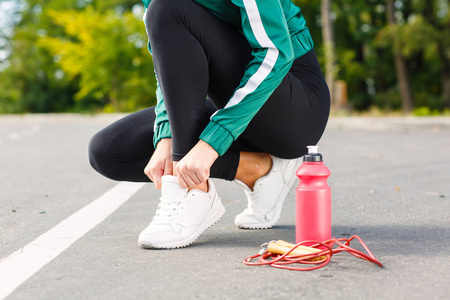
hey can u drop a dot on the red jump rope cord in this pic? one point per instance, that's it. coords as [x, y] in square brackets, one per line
[283, 261]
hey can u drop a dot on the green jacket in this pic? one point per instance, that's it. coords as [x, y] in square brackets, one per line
[277, 32]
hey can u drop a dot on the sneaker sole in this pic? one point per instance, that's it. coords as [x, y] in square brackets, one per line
[217, 215]
[279, 207]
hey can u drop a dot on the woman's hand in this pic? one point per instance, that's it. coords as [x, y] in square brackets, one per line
[161, 162]
[194, 168]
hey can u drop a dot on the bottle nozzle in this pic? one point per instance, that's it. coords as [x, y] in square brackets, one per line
[313, 155]
[313, 149]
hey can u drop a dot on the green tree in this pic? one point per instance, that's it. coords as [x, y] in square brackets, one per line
[400, 65]
[34, 79]
[423, 37]
[358, 62]
[30, 83]
[107, 52]
[329, 49]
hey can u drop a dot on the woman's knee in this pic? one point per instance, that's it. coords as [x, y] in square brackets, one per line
[99, 154]
[159, 14]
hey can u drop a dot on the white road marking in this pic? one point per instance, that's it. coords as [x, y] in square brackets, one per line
[24, 263]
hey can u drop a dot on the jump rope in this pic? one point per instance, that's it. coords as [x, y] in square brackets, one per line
[283, 255]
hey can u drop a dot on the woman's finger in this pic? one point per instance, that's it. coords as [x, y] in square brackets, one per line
[157, 179]
[196, 178]
[183, 181]
[168, 168]
[189, 179]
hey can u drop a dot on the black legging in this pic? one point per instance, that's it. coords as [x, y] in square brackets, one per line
[197, 55]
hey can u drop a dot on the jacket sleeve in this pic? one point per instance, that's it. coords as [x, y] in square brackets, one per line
[264, 26]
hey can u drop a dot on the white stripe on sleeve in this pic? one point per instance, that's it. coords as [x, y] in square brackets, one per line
[269, 61]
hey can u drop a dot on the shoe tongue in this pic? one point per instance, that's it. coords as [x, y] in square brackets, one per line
[170, 189]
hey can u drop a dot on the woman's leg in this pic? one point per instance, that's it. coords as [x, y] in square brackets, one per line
[121, 150]
[191, 47]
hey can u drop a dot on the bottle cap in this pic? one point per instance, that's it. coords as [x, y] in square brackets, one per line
[313, 149]
[313, 155]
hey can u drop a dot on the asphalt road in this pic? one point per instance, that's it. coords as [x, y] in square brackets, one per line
[390, 185]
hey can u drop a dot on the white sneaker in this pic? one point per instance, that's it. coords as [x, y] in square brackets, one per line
[266, 200]
[181, 216]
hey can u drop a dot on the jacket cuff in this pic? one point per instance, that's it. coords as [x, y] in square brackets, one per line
[217, 137]
[162, 131]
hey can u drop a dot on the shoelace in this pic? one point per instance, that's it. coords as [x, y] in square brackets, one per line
[167, 208]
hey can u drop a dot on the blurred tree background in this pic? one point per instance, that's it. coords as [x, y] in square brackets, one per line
[91, 55]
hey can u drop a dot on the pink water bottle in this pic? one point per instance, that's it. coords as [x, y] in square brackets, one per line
[313, 199]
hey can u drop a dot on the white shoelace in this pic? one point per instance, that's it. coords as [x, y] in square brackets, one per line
[167, 208]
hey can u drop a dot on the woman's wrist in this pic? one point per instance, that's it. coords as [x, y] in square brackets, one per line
[204, 146]
[165, 142]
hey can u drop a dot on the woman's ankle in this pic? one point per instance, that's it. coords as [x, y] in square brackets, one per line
[252, 166]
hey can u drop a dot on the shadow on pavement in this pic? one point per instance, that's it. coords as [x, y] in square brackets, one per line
[384, 239]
